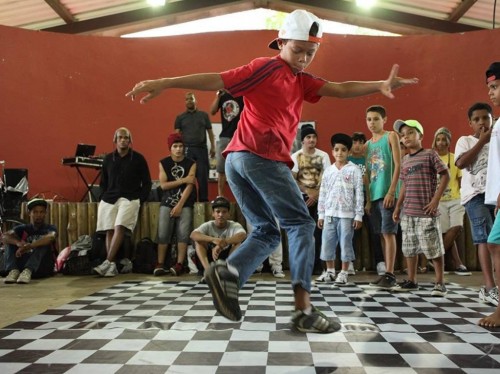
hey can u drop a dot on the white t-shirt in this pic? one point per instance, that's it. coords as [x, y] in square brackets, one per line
[309, 167]
[492, 183]
[474, 175]
[232, 228]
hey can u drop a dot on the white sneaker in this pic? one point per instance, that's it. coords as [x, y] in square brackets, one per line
[491, 296]
[351, 270]
[126, 266]
[341, 279]
[11, 277]
[482, 294]
[103, 268]
[278, 272]
[381, 268]
[326, 277]
[24, 277]
[112, 270]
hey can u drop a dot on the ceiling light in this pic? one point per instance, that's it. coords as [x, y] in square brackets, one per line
[365, 3]
[156, 2]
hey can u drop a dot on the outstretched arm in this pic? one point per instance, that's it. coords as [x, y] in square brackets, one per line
[353, 89]
[152, 88]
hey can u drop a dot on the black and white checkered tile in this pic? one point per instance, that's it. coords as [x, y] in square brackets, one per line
[170, 327]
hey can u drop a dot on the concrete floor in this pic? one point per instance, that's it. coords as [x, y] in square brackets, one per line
[19, 302]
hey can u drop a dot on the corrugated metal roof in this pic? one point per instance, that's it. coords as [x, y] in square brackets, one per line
[117, 16]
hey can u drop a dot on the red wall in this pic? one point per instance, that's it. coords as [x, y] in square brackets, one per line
[58, 90]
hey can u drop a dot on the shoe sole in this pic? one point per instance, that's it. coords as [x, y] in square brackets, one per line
[218, 296]
[439, 293]
[395, 289]
[463, 274]
[159, 272]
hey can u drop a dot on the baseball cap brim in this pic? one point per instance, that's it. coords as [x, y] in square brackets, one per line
[410, 123]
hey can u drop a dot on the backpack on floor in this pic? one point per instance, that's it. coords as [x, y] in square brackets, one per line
[146, 256]
[79, 260]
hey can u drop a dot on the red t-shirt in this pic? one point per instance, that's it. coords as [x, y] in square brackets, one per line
[273, 97]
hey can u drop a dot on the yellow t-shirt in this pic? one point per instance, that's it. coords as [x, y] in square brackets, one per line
[452, 192]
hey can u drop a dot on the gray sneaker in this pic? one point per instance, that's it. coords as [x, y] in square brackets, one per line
[341, 279]
[224, 286]
[462, 270]
[11, 277]
[326, 277]
[315, 322]
[24, 277]
[278, 272]
[103, 268]
[385, 282]
[406, 286]
[381, 268]
[112, 271]
[439, 290]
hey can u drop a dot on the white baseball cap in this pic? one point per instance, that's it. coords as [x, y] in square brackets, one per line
[297, 26]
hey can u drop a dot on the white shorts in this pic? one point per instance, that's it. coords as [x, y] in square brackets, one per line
[452, 214]
[122, 213]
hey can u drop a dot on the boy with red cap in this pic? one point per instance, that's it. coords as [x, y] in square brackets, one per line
[258, 159]
[492, 194]
[177, 178]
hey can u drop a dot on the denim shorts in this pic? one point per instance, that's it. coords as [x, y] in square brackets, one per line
[183, 225]
[337, 231]
[381, 218]
[481, 218]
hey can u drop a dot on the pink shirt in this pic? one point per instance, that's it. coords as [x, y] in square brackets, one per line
[273, 97]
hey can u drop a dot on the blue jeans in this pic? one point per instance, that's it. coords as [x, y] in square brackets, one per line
[337, 231]
[30, 260]
[481, 217]
[265, 189]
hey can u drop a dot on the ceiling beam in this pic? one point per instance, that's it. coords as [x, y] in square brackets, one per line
[140, 15]
[61, 11]
[350, 10]
[460, 10]
[334, 10]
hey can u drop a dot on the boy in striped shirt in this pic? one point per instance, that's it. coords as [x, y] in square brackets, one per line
[419, 197]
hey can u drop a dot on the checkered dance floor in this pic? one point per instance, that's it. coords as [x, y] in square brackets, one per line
[172, 327]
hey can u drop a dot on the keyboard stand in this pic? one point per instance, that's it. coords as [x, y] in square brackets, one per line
[87, 185]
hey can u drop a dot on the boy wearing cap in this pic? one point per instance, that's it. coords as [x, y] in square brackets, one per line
[419, 200]
[177, 180]
[28, 245]
[258, 159]
[471, 156]
[218, 238]
[451, 211]
[492, 195]
[309, 163]
[340, 207]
